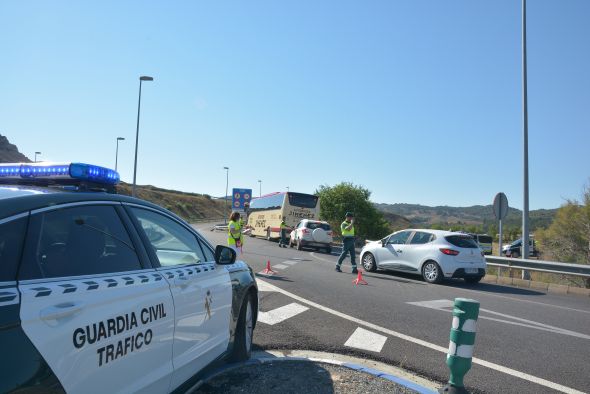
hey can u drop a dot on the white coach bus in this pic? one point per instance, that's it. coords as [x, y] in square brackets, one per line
[266, 212]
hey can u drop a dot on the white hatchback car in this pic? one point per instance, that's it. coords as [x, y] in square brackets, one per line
[434, 254]
[312, 234]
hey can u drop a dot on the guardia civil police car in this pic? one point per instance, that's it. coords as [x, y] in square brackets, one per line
[105, 293]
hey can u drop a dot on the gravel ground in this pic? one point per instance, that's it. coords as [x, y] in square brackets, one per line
[287, 377]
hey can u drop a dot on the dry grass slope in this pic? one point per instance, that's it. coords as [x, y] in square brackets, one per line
[190, 206]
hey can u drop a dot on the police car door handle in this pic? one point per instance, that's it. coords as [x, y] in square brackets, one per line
[399, 251]
[60, 311]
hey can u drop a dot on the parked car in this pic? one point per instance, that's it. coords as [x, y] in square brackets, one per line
[515, 249]
[312, 234]
[104, 293]
[433, 254]
[484, 241]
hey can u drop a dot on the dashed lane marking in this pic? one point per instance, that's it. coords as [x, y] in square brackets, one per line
[281, 314]
[291, 262]
[417, 341]
[280, 266]
[366, 340]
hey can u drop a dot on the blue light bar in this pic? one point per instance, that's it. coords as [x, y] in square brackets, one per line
[57, 171]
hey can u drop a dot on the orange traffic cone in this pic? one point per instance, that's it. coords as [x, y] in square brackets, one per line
[268, 270]
[359, 279]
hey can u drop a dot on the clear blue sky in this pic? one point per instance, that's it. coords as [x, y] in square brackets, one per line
[419, 101]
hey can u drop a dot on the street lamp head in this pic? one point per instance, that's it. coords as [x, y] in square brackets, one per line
[145, 78]
[226, 168]
[120, 139]
[37, 153]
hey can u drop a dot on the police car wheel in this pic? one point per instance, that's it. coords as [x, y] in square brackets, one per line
[243, 341]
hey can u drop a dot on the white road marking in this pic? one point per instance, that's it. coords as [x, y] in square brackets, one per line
[280, 266]
[262, 286]
[444, 305]
[291, 262]
[417, 341]
[281, 314]
[366, 340]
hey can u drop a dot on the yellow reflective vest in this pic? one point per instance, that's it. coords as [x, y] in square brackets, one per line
[231, 238]
[344, 231]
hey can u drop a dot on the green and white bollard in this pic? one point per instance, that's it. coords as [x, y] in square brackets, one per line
[463, 329]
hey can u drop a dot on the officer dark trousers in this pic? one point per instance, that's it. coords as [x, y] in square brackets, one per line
[348, 247]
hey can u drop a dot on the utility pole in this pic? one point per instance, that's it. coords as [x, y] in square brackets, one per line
[525, 135]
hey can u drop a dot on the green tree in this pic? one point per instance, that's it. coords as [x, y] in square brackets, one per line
[568, 238]
[336, 200]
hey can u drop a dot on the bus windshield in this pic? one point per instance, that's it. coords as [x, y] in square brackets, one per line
[303, 200]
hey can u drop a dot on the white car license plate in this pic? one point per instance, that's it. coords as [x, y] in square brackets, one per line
[471, 270]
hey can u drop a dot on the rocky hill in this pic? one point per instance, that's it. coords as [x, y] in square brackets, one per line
[9, 153]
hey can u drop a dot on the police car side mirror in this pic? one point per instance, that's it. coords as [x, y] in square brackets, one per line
[224, 255]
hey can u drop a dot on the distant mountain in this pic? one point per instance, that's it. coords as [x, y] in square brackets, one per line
[478, 215]
[9, 153]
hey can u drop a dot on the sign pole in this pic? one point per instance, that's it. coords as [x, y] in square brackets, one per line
[500, 206]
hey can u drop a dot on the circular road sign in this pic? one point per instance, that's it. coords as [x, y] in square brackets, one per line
[500, 206]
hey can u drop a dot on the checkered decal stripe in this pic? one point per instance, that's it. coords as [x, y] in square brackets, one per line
[187, 272]
[9, 296]
[74, 286]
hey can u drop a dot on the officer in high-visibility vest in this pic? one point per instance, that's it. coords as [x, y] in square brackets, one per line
[283, 226]
[347, 230]
[234, 233]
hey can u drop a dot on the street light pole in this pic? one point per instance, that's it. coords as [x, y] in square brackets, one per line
[259, 188]
[287, 188]
[141, 79]
[226, 184]
[36, 153]
[525, 133]
[117, 151]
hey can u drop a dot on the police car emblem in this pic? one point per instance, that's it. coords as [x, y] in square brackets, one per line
[208, 302]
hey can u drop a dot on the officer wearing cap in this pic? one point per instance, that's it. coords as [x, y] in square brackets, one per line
[347, 230]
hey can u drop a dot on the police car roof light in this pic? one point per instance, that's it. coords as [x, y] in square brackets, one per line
[57, 171]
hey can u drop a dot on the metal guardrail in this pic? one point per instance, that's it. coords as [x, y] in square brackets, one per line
[552, 267]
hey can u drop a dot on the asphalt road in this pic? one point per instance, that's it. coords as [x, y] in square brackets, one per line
[527, 341]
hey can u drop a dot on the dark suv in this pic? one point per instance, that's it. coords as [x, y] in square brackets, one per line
[515, 249]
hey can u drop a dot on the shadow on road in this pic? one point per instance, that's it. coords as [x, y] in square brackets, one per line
[403, 277]
[492, 288]
[393, 276]
[277, 278]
